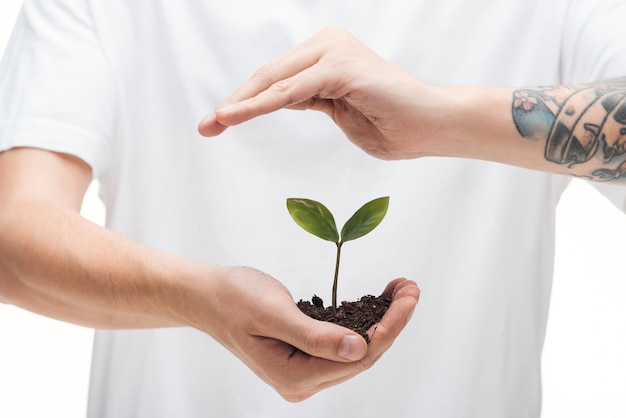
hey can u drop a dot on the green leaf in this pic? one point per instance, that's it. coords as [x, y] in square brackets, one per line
[313, 217]
[365, 219]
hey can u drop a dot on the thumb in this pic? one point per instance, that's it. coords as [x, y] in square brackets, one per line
[322, 339]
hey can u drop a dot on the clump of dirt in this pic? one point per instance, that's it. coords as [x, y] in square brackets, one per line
[358, 316]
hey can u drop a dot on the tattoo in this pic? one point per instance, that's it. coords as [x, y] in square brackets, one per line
[580, 124]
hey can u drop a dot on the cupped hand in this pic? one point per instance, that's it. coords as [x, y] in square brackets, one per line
[381, 108]
[254, 316]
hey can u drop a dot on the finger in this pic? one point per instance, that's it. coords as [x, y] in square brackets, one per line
[209, 126]
[316, 374]
[382, 335]
[304, 90]
[290, 63]
[295, 374]
[336, 343]
[395, 319]
[321, 339]
[286, 82]
[285, 66]
[233, 112]
[388, 292]
[402, 287]
[333, 342]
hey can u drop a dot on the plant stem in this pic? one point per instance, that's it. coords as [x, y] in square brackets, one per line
[336, 277]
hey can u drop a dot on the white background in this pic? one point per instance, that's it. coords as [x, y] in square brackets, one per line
[44, 364]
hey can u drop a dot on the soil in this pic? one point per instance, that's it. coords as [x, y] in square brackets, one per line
[358, 316]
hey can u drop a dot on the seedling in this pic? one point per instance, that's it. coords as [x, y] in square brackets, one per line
[316, 219]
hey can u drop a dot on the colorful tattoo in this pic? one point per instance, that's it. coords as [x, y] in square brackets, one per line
[580, 124]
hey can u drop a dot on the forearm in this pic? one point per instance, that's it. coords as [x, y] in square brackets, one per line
[577, 130]
[56, 263]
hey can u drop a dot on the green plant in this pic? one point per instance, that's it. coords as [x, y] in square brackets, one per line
[315, 218]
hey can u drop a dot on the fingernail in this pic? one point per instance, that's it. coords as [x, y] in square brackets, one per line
[351, 348]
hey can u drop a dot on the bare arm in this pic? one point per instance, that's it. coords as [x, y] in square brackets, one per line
[391, 114]
[583, 127]
[54, 262]
[58, 264]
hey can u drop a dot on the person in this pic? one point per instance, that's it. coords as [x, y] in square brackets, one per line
[131, 81]
[55, 263]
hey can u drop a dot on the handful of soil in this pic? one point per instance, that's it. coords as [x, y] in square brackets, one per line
[358, 316]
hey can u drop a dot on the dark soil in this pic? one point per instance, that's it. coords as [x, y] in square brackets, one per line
[358, 316]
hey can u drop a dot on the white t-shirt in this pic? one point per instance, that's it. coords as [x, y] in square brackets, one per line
[123, 84]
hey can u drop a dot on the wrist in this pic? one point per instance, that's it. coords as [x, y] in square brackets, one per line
[476, 123]
[188, 294]
[463, 115]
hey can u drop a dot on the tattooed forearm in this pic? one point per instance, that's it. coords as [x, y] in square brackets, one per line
[584, 126]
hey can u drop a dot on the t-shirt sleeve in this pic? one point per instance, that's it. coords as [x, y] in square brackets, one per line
[56, 89]
[594, 48]
[616, 194]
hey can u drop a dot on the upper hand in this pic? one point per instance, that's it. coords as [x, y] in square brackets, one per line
[379, 107]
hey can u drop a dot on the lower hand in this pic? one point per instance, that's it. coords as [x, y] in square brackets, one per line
[255, 317]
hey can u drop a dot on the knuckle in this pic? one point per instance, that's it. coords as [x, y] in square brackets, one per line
[281, 86]
[334, 31]
[292, 392]
[294, 397]
[282, 92]
[314, 342]
[265, 74]
[366, 363]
